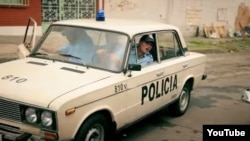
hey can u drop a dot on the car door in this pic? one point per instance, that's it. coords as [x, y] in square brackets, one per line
[172, 58]
[24, 49]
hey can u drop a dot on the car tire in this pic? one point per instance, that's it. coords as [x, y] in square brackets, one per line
[95, 128]
[180, 106]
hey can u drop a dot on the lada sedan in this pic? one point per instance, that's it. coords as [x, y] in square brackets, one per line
[86, 79]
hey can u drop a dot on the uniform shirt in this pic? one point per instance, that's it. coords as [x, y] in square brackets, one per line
[144, 60]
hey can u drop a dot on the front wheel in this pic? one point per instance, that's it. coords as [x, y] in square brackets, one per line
[95, 128]
[180, 106]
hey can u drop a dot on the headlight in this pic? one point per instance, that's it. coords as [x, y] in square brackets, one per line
[46, 118]
[38, 117]
[30, 115]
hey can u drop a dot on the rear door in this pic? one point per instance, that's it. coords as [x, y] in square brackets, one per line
[175, 64]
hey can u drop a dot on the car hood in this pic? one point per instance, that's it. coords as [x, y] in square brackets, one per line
[38, 82]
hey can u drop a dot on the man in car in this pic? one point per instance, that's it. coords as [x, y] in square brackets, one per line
[140, 54]
[80, 46]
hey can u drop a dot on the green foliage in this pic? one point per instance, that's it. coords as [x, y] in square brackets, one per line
[219, 45]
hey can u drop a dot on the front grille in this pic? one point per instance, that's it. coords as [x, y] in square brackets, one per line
[10, 110]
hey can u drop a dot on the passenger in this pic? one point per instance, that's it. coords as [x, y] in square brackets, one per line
[140, 54]
[80, 46]
[111, 56]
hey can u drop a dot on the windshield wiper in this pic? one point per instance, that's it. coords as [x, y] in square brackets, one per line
[42, 54]
[68, 55]
[38, 53]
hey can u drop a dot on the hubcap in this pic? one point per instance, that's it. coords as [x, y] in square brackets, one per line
[183, 100]
[96, 133]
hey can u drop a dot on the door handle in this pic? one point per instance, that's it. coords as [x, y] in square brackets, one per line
[159, 74]
[185, 66]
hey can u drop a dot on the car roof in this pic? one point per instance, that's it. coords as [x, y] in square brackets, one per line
[128, 26]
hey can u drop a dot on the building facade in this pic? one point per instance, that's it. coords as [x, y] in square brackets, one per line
[189, 15]
[15, 13]
[186, 14]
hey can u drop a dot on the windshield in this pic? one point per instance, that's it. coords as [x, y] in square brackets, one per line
[90, 47]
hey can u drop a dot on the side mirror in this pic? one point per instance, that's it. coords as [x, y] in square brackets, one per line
[134, 67]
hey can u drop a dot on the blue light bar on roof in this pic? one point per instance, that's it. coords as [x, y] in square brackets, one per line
[100, 16]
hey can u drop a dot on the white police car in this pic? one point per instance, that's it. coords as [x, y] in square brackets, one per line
[78, 82]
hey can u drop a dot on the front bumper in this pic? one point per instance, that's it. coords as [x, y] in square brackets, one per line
[12, 133]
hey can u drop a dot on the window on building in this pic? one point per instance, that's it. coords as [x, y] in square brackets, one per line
[14, 2]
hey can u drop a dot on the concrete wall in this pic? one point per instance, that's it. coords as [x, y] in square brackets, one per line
[186, 14]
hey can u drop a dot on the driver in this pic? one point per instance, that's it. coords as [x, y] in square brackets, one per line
[140, 54]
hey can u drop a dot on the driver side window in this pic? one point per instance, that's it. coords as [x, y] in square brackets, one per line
[141, 50]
